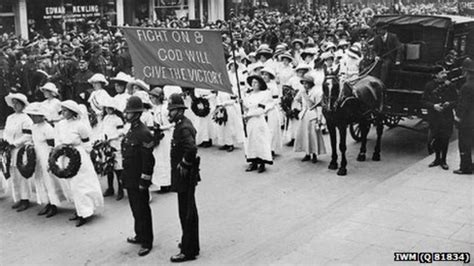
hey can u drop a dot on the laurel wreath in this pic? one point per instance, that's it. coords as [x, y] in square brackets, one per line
[200, 106]
[220, 115]
[5, 157]
[103, 157]
[26, 161]
[73, 165]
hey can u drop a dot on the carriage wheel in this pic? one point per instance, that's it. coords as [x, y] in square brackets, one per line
[392, 120]
[355, 131]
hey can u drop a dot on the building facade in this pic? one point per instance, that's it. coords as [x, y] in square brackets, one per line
[21, 16]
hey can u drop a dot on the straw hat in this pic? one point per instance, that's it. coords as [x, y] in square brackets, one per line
[303, 66]
[49, 86]
[300, 41]
[269, 71]
[35, 109]
[255, 66]
[144, 96]
[72, 106]
[327, 55]
[354, 52]
[17, 96]
[263, 85]
[122, 77]
[286, 55]
[98, 78]
[140, 83]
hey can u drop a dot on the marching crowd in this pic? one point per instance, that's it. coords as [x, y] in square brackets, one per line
[76, 88]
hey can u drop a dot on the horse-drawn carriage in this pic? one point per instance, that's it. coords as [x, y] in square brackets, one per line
[425, 42]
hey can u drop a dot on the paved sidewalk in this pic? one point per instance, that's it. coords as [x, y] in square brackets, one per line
[420, 209]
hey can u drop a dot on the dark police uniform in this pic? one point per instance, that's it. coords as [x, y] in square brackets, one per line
[441, 123]
[138, 163]
[183, 152]
[465, 113]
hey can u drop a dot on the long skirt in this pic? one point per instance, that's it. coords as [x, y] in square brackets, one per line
[162, 169]
[258, 142]
[274, 123]
[21, 188]
[309, 137]
[48, 187]
[205, 129]
[85, 187]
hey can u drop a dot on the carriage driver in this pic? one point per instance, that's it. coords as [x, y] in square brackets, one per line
[439, 98]
[387, 48]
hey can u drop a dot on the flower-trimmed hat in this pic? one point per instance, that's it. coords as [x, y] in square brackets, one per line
[263, 85]
[121, 77]
[98, 78]
[16, 96]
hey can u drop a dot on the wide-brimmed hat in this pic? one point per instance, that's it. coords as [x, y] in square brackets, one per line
[300, 41]
[134, 104]
[254, 67]
[269, 71]
[145, 97]
[354, 52]
[309, 51]
[303, 66]
[252, 54]
[17, 96]
[232, 63]
[111, 103]
[121, 77]
[140, 83]
[264, 51]
[72, 106]
[343, 42]
[98, 78]
[51, 87]
[307, 78]
[156, 92]
[263, 85]
[329, 45]
[175, 101]
[35, 108]
[327, 55]
[286, 55]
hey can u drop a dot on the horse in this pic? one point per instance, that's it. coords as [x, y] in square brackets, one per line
[359, 102]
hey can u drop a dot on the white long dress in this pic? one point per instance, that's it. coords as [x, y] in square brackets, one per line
[49, 188]
[258, 142]
[274, 117]
[228, 133]
[85, 185]
[162, 169]
[308, 137]
[290, 132]
[18, 132]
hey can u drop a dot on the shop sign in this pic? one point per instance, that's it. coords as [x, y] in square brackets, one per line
[71, 13]
[181, 57]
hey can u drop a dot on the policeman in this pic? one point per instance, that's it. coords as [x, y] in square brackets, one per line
[184, 177]
[439, 98]
[465, 118]
[138, 163]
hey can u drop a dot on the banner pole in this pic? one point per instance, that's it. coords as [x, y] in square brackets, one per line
[236, 72]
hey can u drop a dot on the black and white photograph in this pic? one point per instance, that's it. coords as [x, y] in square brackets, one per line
[236, 132]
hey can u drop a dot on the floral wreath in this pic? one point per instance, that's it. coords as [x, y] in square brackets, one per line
[158, 134]
[73, 165]
[200, 106]
[287, 101]
[26, 161]
[5, 157]
[103, 157]
[220, 115]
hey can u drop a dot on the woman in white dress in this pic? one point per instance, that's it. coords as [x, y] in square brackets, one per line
[310, 116]
[206, 130]
[51, 104]
[99, 95]
[111, 128]
[85, 185]
[258, 149]
[273, 111]
[17, 132]
[50, 190]
[120, 83]
[162, 170]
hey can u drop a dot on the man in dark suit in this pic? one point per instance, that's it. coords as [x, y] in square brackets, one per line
[387, 49]
[138, 163]
[184, 178]
[465, 118]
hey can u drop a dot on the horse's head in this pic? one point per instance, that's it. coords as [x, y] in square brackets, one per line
[331, 92]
